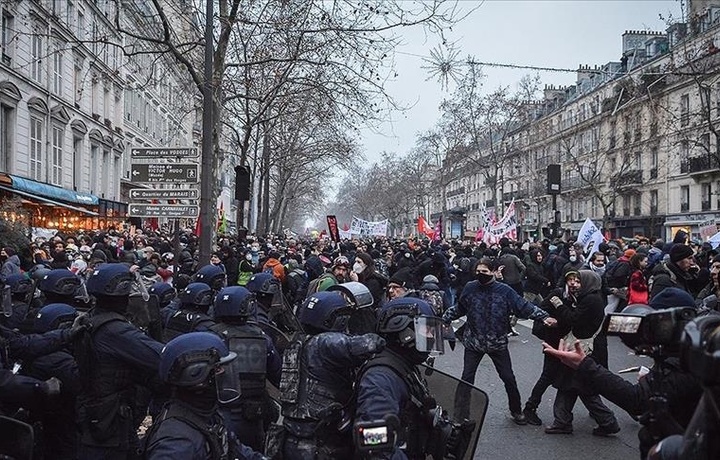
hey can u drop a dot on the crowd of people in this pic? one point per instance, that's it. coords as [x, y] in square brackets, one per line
[110, 328]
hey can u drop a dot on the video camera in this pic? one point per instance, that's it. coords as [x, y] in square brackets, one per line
[650, 332]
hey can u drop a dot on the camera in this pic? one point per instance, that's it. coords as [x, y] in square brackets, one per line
[377, 435]
[648, 331]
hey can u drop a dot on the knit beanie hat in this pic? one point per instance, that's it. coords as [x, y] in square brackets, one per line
[402, 277]
[671, 297]
[9, 251]
[679, 252]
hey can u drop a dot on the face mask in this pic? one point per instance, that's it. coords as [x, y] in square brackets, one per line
[248, 256]
[358, 267]
[484, 278]
[573, 258]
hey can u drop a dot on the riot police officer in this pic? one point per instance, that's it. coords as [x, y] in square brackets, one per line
[265, 287]
[63, 286]
[391, 390]
[212, 275]
[257, 361]
[114, 357]
[13, 297]
[317, 380]
[58, 416]
[192, 316]
[198, 367]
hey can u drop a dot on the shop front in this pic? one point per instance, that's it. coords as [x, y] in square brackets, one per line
[45, 206]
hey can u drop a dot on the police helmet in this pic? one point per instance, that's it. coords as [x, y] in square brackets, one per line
[411, 322]
[38, 272]
[212, 275]
[700, 348]
[234, 301]
[19, 283]
[325, 311]
[198, 294]
[192, 359]
[60, 281]
[110, 279]
[263, 283]
[164, 292]
[53, 316]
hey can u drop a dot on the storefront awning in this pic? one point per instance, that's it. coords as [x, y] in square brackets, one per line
[52, 192]
[48, 200]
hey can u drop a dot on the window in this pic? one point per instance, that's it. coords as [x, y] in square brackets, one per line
[684, 198]
[36, 52]
[58, 135]
[106, 102]
[94, 168]
[80, 24]
[684, 109]
[105, 175]
[58, 69]
[78, 80]
[637, 161]
[6, 36]
[95, 96]
[684, 156]
[7, 128]
[706, 194]
[70, 13]
[636, 202]
[626, 205]
[653, 202]
[705, 143]
[653, 163]
[77, 162]
[36, 143]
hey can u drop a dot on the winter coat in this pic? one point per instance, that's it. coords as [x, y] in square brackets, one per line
[278, 270]
[488, 308]
[537, 278]
[638, 288]
[667, 274]
[514, 268]
[11, 266]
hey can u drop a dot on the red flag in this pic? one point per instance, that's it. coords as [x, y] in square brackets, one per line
[424, 228]
[197, 227]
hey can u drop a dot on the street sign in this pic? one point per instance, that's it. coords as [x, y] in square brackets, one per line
[164, 194]
[156, 153]
[163, 210]
[164, 172]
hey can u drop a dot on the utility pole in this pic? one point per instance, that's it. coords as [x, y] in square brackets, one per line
[207, 179]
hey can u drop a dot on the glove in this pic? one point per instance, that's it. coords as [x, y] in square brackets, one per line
[79, 325]
[51, 386]
[366, 344]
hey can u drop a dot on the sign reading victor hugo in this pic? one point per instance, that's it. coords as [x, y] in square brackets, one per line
[164, 172]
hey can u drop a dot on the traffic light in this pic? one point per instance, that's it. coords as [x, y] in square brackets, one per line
[242, 183]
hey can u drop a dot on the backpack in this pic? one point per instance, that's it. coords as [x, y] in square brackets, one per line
[618, 274]
[434, 298]
[314, 285]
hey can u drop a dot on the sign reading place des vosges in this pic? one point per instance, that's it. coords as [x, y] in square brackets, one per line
[152, 153]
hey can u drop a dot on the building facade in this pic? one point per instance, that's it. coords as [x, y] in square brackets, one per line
[638, 142]
[73, 104]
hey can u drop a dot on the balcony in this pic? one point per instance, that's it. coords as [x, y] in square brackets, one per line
[684, 207]
[701, 164]
[456, 192]
[705, 205]
[626, 178]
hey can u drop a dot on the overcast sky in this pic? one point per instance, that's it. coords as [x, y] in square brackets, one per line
[552, 33]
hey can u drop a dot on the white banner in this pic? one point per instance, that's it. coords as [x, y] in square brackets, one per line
[345, 234]
[590, 237]
[366, 228]
[507, 226]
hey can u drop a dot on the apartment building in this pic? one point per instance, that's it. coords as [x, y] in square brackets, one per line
[637, 141]
[73, 104]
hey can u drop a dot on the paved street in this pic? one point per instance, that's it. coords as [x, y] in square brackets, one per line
[502, 439]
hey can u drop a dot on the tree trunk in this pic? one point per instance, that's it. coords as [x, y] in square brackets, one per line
[266, 184]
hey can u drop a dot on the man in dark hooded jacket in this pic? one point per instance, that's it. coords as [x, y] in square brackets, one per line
[10, 262]
[680, 271]
[580, 312]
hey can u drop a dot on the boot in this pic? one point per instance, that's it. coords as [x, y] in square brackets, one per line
[531, 415]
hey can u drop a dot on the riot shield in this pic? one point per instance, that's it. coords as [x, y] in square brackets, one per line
[463, 404]
[281, 314]
[17, 439]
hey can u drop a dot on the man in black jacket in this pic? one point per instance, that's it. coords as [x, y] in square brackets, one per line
[581, 313]
[680, 271]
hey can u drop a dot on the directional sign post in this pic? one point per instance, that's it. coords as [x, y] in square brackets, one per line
[158, 153]
[164, 194]
[163, 210]
[164, 172]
